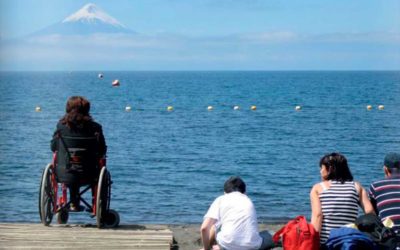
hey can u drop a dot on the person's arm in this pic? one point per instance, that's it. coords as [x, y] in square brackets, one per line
[207, 233]
[364, 201]
[54, 141]
[372, 199]
[316, 216]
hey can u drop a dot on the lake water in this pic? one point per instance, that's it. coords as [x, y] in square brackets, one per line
[167, 167]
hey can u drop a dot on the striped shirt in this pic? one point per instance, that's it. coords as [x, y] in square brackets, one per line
[339, 205]
[385, 197]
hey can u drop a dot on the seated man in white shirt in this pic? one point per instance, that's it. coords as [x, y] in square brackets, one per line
[231, 221]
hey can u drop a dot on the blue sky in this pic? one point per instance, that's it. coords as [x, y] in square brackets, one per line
[225, 34]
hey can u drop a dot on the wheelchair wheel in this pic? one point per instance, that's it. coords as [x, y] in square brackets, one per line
[46, 196]
[111, 219]
[103, 197]
[62, 216]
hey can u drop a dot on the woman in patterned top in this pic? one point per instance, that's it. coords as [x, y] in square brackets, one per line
[335, 200]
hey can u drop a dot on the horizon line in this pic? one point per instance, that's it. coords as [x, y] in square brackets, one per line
[208, 70]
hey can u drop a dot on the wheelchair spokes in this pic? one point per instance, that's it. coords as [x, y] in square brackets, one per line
[47, 197]
[103, 197]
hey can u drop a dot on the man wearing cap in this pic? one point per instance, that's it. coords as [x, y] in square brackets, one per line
[385, 194]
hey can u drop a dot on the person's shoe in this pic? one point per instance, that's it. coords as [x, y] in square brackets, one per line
[74, 208]
[216, 247]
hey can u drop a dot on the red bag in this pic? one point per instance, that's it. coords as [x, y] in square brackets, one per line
[297, 234]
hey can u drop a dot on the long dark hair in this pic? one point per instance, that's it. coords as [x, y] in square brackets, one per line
[338, 169]
[77, 112]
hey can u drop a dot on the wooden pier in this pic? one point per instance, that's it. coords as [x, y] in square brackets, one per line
[37, 236]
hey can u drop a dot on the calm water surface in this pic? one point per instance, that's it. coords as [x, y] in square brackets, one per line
[168, 167]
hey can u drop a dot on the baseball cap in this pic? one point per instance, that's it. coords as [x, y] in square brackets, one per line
[392, 160]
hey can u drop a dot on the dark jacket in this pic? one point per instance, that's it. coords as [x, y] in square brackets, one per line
[83, 172]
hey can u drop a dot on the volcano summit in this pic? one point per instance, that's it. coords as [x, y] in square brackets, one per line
[90, 19]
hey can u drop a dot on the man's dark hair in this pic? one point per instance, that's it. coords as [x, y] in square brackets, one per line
[234, 183]
[392, 163]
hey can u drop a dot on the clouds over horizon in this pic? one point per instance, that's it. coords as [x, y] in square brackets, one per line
[280, 50]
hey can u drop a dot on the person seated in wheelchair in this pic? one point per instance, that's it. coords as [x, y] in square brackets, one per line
[79, 144]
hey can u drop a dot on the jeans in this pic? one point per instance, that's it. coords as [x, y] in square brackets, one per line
[267, 242]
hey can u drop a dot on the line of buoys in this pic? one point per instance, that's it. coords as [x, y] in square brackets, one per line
[115, 83]
[236, 107]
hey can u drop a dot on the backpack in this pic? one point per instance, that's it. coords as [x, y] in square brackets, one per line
[383, 236]
[345, 238]
[297, 234]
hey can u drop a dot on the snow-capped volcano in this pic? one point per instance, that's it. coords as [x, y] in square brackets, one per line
[89, 19]
[90, 13]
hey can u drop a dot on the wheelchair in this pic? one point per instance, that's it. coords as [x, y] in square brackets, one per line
[78, 153]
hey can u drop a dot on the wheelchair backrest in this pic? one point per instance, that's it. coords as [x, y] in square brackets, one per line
[77, 153]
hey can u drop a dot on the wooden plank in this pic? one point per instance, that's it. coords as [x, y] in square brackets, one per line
[37, 236]
[141, 247]
[89, 236]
